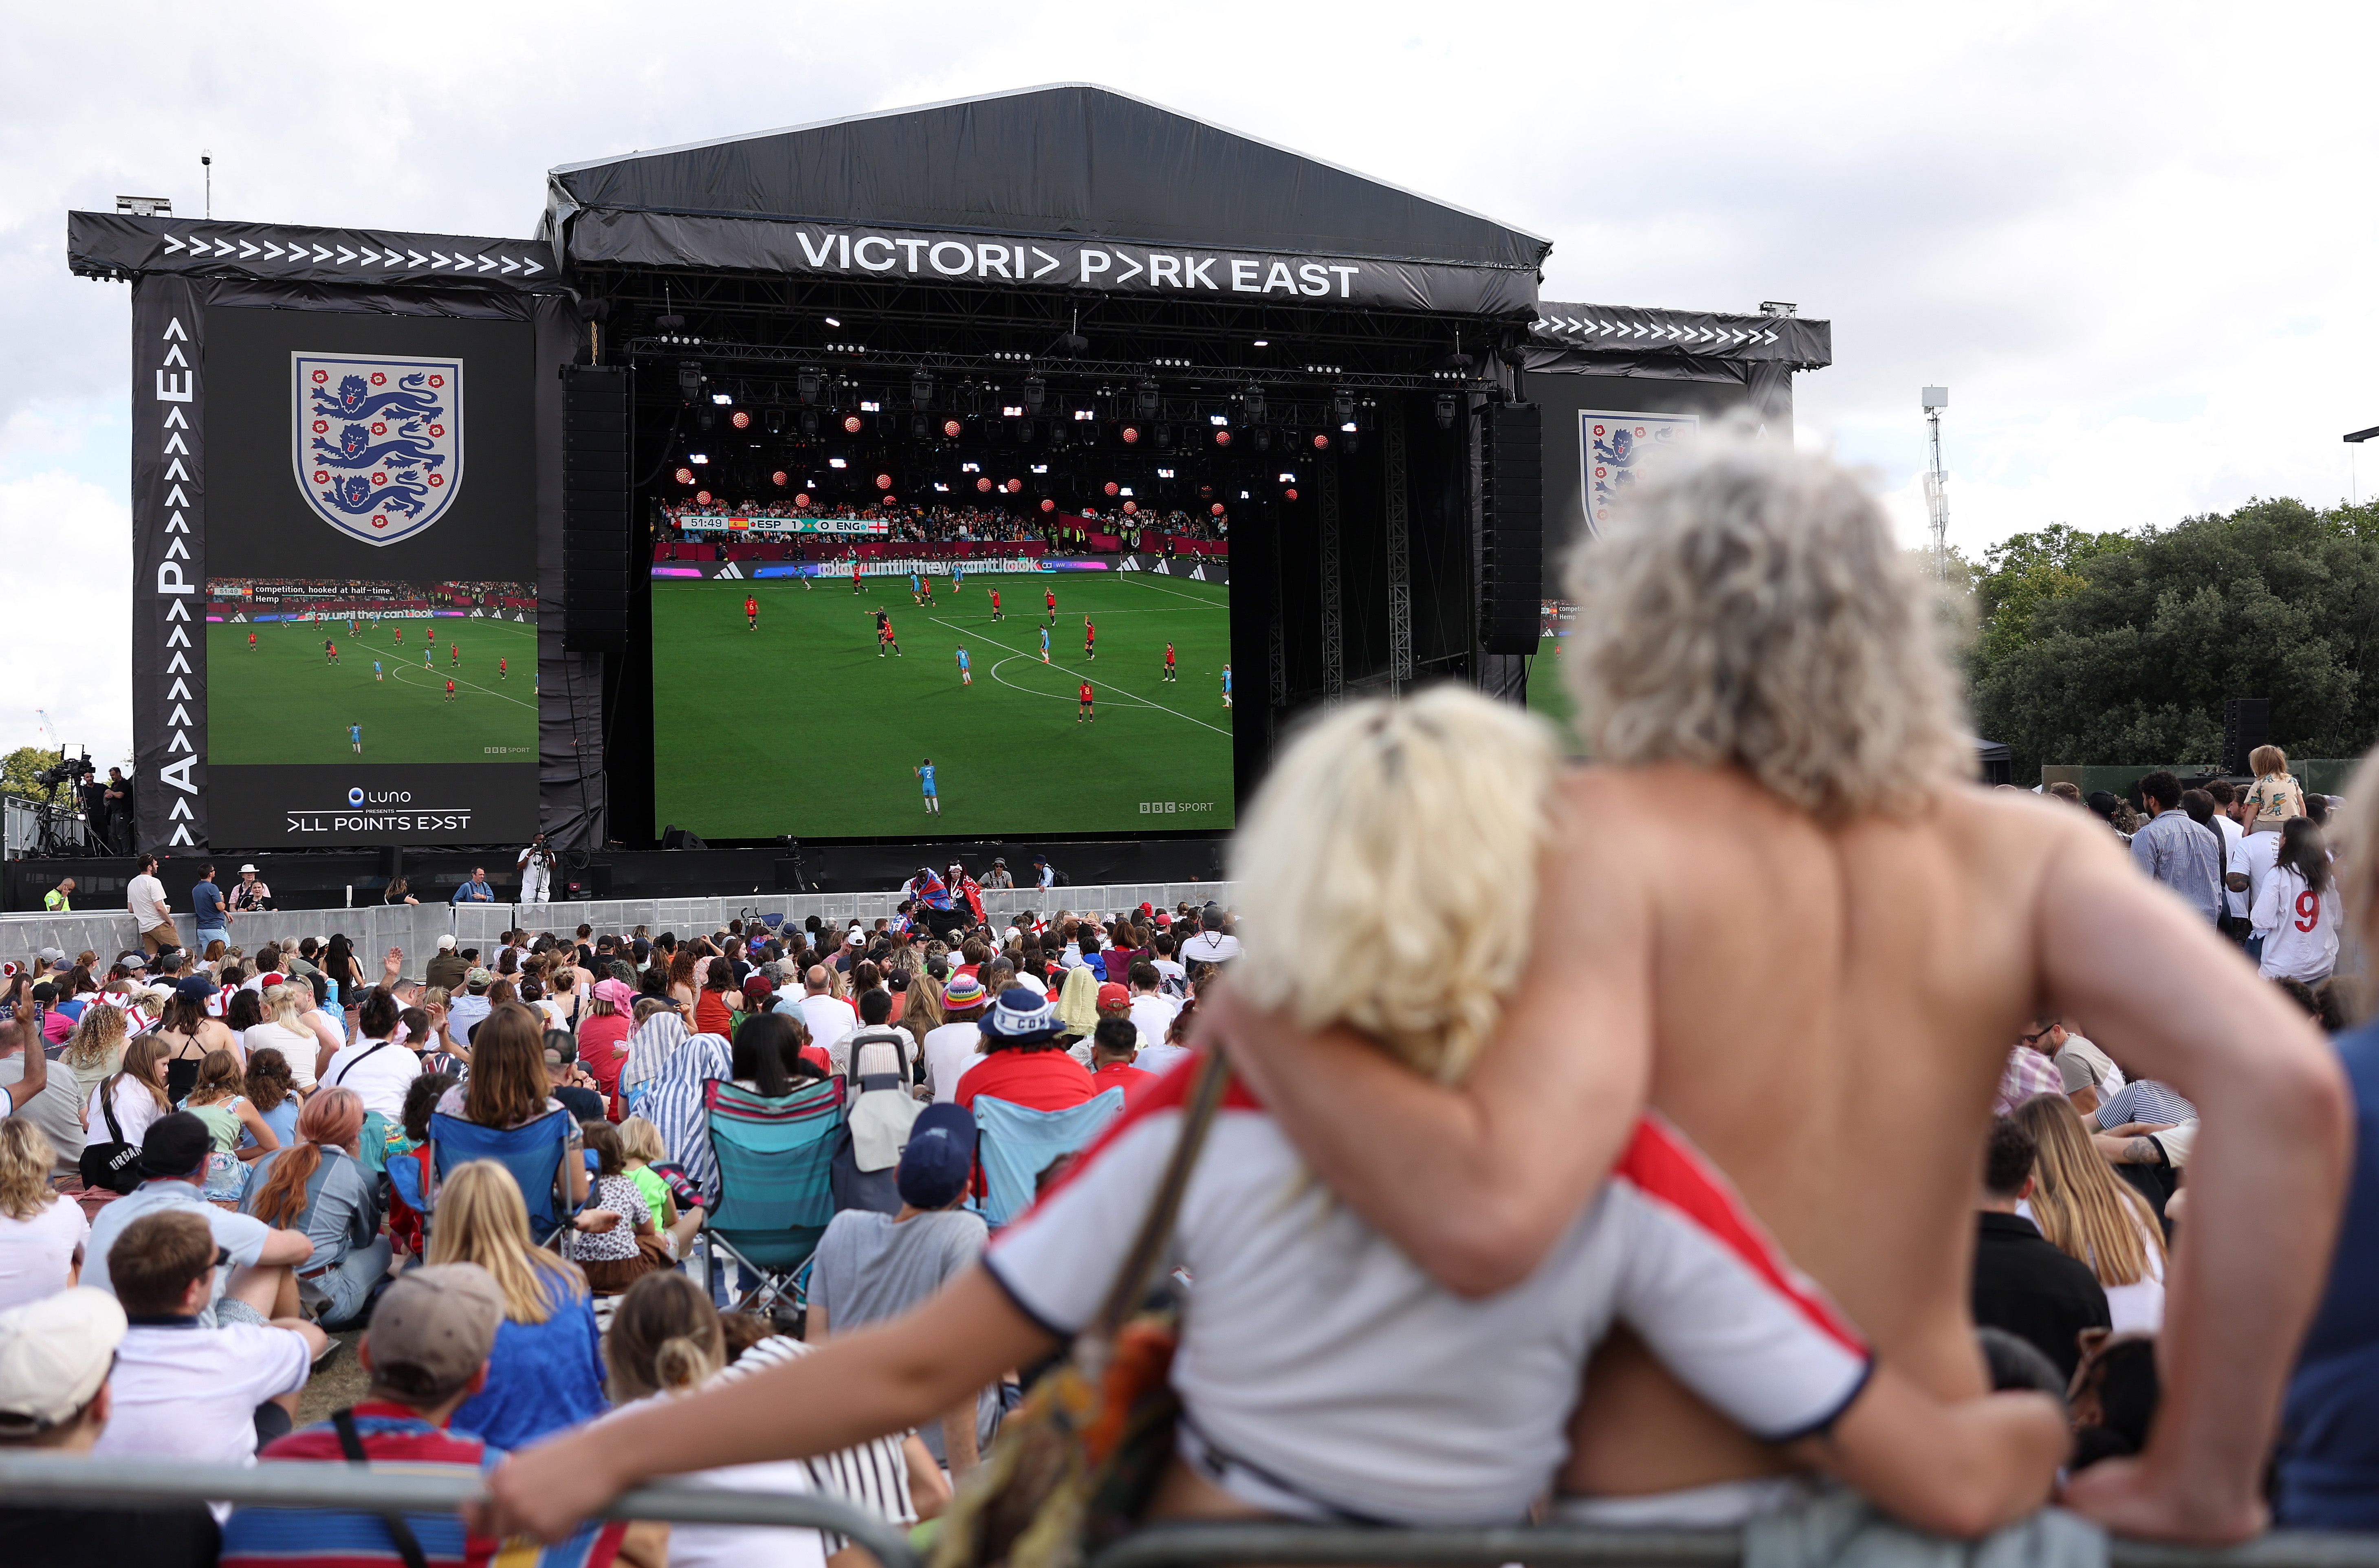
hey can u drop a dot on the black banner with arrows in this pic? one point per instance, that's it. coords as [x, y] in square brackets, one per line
[106, 245]
[169, 493]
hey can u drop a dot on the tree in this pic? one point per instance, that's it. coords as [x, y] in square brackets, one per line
[2122, 648]
[17, 768]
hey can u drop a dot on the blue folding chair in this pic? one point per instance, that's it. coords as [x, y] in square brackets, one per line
[1015, 1145]
[532, 1151]
[775, 1168]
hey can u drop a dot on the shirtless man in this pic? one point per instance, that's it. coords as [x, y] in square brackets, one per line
[1815, 945]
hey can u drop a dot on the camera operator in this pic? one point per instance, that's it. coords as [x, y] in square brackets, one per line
[535, 864]
[91, 795]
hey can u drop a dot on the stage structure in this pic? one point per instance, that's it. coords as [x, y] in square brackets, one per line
[1318, 431]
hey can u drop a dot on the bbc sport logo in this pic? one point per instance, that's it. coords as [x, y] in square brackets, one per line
[1167, 808]
[355, 797]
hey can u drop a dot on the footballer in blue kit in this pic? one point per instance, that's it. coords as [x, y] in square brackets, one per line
[924, 772]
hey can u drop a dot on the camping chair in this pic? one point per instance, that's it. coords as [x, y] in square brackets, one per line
[1015, 1145]
[776, 1164]
[532, 1151]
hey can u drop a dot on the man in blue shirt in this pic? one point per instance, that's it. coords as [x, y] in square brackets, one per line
[2177, 852]
[213, 919]
[475, 891]
[355, 738]
[924, 772]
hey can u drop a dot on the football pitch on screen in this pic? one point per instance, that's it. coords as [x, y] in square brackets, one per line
[802, 726]
[282, 703]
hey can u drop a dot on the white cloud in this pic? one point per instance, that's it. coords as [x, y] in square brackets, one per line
[68, 544]
[2135, 244]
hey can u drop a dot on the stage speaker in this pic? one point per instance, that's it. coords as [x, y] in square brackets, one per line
[1512, 535]
[676, 838]
[597, 565]
[2246, 724]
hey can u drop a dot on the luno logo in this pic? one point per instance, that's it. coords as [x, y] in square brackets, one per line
[355, 797]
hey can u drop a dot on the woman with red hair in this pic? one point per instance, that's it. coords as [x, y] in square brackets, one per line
[319, 1185]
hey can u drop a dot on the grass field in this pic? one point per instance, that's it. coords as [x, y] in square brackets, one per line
[1548, 695]
[282, 703]
[800, 728]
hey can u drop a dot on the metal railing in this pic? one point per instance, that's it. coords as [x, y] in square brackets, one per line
[64, 1480]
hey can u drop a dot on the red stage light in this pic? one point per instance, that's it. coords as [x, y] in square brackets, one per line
[1320, 443]
[686, 475]
[1290, 493]
[702, 496]
[742, 421]
[1130, 507]
[1047, 505]
[1222, 437]
[883, 481]
[1014, 485]
[777, 479]
[850, 423]
[1130, 434]
[890, 501]
[802, 499]
[1218, 509]
[983, 484]
[951, 428]
[1112, 485]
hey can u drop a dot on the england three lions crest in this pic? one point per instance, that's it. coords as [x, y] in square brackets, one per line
[376, 440]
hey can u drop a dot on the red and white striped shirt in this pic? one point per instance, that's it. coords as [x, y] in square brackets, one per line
[1318, 1363]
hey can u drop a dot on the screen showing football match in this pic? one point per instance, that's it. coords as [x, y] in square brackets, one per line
[941, 669]
[371, 609]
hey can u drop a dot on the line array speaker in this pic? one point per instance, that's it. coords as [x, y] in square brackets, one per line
[1512, 541]
[598, 568]
[2246, 724]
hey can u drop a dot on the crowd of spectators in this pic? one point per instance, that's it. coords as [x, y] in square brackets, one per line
[1866, 1104]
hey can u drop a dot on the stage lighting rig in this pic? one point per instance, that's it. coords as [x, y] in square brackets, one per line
[1251, 404]
[1445, 411]
[921, 389]
[810, 384]
[1342, 408]
[689, 379]
[1037, 395]
[809, 422]
[1150, 399]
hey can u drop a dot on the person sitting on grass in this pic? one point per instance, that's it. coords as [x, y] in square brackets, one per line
[1322, 1374]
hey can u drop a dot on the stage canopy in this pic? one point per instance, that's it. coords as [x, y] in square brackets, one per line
[1066, 187]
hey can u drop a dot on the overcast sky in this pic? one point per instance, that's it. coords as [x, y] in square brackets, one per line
[2136, 244]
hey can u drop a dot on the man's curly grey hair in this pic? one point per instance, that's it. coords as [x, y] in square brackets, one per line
[1749, 608]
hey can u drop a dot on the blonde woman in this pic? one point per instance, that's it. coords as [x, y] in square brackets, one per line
[41, 1234]
[284, 1030]
[95, 1047]
[2087, 1211]
[2274, 797]
[1320, 1373]
[545, 1372]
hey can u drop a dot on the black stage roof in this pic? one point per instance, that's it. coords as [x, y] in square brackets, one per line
[1068, 187]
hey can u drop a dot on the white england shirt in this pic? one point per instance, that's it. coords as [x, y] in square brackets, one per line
[1316, 1359]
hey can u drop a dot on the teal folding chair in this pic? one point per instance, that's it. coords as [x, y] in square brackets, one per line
[776, 1190]
[1014, 1146]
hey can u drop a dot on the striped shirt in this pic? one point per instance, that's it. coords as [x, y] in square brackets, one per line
[2027, 1073]
[873, 1475]
[2146, 1101]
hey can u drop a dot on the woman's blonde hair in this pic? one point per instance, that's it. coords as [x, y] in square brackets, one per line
[640, 1139]
[1750, 607]
[1402, 837]
[281, 1006]
[482, 1220]
[2264, 760]
[2085, 1210]
[98, 1034]
[26, 1159]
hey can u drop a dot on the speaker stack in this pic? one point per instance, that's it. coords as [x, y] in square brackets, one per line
[598, 568]
[1512, 543]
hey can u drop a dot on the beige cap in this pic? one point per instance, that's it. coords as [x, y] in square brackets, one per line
[55, 1354]
[433, 1329]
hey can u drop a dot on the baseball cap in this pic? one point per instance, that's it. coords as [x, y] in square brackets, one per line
[198, 988]
[432, 1329]
[54, 1355]
[1148, 909]
[133, 959]
[53, 956]
[940, 1156]
[175, 1145]
[446, 943]
[1113, 995]
[965, 991]
[477, 977]
[1023, 1016]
